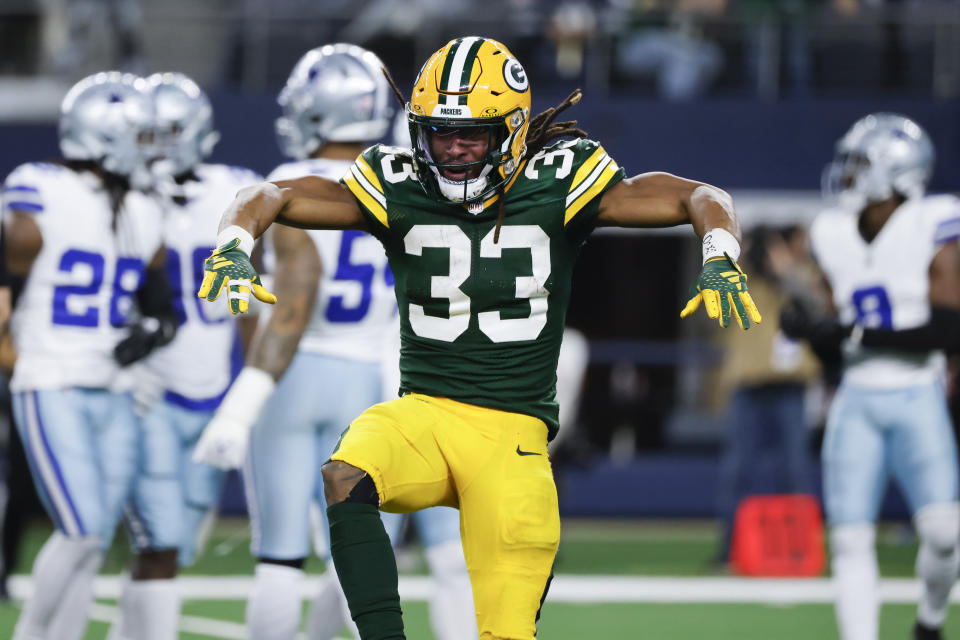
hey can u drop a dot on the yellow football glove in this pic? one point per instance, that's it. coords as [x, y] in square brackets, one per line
[229, 267]
[722, 286]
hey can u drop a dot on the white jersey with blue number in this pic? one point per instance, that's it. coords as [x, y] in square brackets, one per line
[83, 282]
[356, 305]
[885, 283]
[196, 367]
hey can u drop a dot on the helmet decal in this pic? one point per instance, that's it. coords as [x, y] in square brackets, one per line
[514, 74]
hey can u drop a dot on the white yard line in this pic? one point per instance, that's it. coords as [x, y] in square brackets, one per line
[565, 588]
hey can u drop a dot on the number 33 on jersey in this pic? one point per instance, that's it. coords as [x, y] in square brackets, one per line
[493, 313]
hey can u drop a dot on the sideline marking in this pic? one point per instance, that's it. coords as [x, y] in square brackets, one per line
[565, 588]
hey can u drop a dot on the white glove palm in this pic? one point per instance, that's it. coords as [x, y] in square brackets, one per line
[224, 441]
[226, 437]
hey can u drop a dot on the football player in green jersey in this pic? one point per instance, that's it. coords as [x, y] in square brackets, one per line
[482, 222]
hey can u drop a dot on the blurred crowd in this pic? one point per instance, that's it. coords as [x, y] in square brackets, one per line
[676, 50]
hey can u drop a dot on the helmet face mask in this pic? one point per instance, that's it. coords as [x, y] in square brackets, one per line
[470, 84]
[108, 118]
[882, 155]
[476, 178]
[184, 134]
[335, 93]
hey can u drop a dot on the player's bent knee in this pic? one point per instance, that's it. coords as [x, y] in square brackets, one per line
[154, 564]
[343, 482]
[939, 525]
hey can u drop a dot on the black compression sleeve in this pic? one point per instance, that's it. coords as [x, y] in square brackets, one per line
[941, 332]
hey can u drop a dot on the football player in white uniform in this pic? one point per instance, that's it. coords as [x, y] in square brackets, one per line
[173, 495]
[87, 248]
[337, 310]
[890, 255]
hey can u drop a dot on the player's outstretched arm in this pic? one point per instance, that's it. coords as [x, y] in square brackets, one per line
[665, 200]
[310, 202]
[297, 276]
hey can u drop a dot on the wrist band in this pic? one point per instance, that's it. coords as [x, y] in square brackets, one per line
[248, 393]
[717, 242]
[236, 232]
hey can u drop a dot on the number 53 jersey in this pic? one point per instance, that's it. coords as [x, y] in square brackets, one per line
[355, 309]
[885, 283]
[481, 321]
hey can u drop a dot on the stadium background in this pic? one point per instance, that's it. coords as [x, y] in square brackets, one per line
[749, 95]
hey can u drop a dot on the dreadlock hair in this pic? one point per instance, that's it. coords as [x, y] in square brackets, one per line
[116, 186]
[541, 132]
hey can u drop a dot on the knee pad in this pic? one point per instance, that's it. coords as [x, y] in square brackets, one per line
[939, 525]
[295, 563]
[852, 539]
[364, 492]
[531, 516]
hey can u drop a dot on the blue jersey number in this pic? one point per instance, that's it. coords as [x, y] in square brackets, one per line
[337, 310]
[128, 271]
[873, 308]
[175, 266]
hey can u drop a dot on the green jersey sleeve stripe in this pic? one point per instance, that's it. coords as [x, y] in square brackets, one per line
[604, 160]
[606, 173]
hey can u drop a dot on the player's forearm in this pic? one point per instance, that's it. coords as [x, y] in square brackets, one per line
[712, 208]
[254, 208]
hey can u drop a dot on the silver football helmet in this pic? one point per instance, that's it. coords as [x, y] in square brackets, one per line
[108, 118]
[882, 154]
[335, 93]
[184, 123]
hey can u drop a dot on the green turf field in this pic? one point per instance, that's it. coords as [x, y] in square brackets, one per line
[611, 550]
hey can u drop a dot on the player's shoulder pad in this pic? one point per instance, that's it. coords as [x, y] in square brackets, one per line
[943, 213]
[288, 171]
[379, 173]
[23, 188]
[575, 170]
[228, 174]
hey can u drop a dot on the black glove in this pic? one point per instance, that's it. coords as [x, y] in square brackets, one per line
[824, 333]
[144, 336]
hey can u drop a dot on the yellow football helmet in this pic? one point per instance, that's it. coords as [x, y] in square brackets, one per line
[476, 84]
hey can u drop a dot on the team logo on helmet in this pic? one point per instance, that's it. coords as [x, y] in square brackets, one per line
[514, 74]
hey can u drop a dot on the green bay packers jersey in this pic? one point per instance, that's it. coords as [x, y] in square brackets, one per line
[481, 321]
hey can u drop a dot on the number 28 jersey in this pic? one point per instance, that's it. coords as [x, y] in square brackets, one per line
[481, 321]
[885, 283]
[81, 287]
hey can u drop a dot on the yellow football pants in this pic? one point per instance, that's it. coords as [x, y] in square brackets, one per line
[423, 451]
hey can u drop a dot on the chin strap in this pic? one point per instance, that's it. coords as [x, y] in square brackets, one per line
[501, 212]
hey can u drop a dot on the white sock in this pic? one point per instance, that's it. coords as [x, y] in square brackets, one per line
[61, 561]
[938, 560]
[326, 616]
[70, 619]
[121, 628]
[273, 610]
[151, 609]
[856, 581]
[354, 632]
[452, 616]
